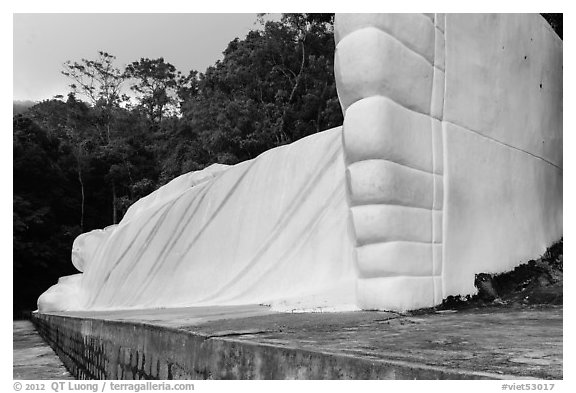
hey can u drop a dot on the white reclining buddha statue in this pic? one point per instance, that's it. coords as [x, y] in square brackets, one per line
[448, 164]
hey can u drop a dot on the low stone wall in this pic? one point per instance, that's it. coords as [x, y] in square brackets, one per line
[105, 349]
[99, 349]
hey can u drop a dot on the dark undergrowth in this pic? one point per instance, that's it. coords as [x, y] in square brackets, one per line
[533, 284]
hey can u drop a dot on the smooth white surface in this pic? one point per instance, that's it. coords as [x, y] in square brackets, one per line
[503, 207]
[404, 140]
[388, 86]
[449, 164]
[67, 294]
[503, 144]
[453, 159]
[370, 62]
[412, 30]
[495, 64]
[272, 230]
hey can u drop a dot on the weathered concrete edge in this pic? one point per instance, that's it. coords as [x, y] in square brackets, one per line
[110, 349]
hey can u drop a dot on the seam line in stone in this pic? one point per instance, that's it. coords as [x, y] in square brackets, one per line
[458, 125]
[392, 37]
[431, 276]
[444, 161]
[432, 140]
[397, 163]
[400, 241]
[396, 205]
[503, 143]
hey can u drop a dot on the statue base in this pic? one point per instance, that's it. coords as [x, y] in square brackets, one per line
[253, 342]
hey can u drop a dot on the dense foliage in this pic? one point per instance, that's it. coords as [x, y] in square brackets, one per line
[555, 21]
[81, 160]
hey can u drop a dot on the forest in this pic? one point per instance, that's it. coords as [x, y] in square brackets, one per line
[82, 158]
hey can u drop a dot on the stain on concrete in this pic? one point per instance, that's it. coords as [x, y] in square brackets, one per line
[252, 342]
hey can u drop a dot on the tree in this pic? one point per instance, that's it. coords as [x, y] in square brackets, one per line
[44, 211]
[156, 82]
[186, 87]
[271, 88]
[70, 123]
[100, 82]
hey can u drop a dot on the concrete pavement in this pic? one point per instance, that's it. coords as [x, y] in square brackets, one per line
[32, 357]
[491, 342]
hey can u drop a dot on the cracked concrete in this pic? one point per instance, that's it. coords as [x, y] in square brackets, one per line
[239, 342]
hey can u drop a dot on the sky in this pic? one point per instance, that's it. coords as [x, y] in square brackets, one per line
[43, 42]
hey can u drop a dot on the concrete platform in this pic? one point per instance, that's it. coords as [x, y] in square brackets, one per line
[252, 342]
[32, 357]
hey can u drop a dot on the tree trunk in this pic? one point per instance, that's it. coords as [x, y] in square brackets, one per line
[299, 72]
[108, 131]
[114, 214]
[321, 106]
[82, 191]
[283, 134]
